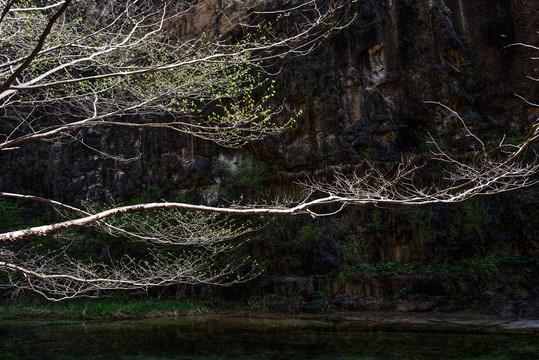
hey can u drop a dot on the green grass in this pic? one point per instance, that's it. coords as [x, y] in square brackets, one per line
[500, 267]
[98, 308]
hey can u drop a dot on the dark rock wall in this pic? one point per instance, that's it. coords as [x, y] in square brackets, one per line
[362, 92]
[366, 87]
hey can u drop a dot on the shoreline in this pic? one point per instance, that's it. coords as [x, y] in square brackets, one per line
[109, 310]
[459, 320]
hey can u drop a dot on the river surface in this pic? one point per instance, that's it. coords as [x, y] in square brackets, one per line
[245, 337]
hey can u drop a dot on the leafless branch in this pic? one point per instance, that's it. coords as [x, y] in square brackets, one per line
[58, 277]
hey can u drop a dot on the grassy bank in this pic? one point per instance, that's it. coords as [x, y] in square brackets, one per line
[102, 308]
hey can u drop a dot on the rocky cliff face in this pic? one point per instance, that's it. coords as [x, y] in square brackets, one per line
[366, 87]
[363, 93]
[363, 90]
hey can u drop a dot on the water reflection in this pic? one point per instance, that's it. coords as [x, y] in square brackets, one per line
[222, 338]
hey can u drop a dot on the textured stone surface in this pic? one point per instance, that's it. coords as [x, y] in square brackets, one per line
[362, 92]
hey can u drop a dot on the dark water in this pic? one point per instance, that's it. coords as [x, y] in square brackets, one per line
[218, 338]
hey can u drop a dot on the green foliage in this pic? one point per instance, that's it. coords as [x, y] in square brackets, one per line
[423, 220]
[466, 68]
[493, 139]
[11, 219]
[351, 255]
[214, 189]
[308, 232]
[352, 251]
[490, 263]
[470, 223]
[377, 223]
[387, 269]
[184, 199]
[346, 272]
[321, 294]
[98, 308]
[248, 176]
[10, 215]
[248, 180]
[421, 216]
[466, 76]
[261, 302]
[266, 298]
[486, 267]
[469, 276]
[402, 291]
[315, 230]
[150, 193]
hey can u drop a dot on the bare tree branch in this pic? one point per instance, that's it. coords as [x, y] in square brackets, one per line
[57, 277]
[7, 84]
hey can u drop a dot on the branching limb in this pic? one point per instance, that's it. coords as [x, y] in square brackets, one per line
[58, 277]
